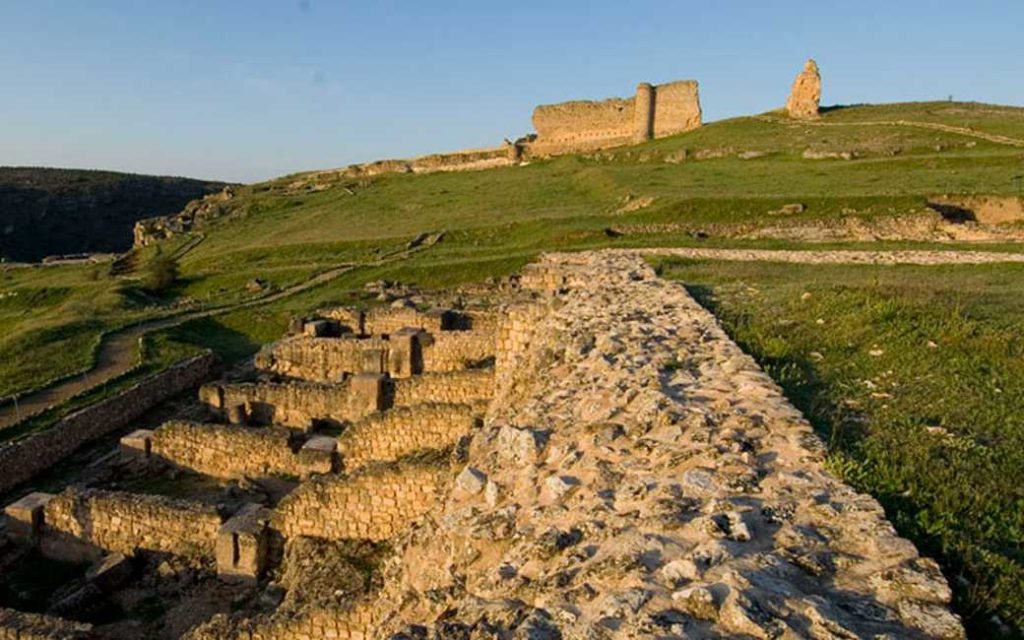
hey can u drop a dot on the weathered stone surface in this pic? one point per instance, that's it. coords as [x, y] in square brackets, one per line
[806, 93]
[25, 516]
[674, 492]
[654, 112]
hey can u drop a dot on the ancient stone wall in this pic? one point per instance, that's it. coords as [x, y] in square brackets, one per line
[298, 405]
[224, 451]
[372, 505]
[317, 359]
[123, 522]
[676, 108]
[15, 625]
[396, 433]
[584, 125]
[352, 622]
[457, 387]
[23, 459]
[387, 320]
[638, 470]
[458, 350]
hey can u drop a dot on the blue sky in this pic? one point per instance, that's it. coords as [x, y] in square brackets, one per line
[246, 90]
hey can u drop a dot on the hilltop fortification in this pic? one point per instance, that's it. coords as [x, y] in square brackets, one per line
[655, 111]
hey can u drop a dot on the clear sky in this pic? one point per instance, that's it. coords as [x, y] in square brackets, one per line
[246, 90]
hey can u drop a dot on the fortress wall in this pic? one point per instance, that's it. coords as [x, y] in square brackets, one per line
[374, 505]
[676, 108]
[316, 359]
[396, 433]
[458, 387]
[16, 625]
[654, 112]
[23, 459]
[454, 350]
[297, 405]
[123, 522]
[582, 125]
[226, 451]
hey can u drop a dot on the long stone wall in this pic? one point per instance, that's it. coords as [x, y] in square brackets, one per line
[458, 350]
[312, 623]
[123, 522]
[398, 432]
[225, 451]
[583, 125]
[16, 625]
[297, 404]
[640, 472]
[373, 505]
[455, 387]
[317, 359]
[21, 460]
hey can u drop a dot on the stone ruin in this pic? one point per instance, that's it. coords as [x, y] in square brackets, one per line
[595, 459]
[655, 111]
[805, 95]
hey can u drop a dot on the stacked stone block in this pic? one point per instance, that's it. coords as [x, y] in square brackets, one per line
[124, 522]
[458, 387]
[402, 431]
[373, 505]
[224, 451]
[15, 625]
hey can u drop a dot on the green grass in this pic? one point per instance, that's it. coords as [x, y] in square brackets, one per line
[915, 376]
[282, 232]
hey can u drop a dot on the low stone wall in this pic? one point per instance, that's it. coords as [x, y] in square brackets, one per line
[458, 350]
[21, 460]
[317, 359]
[224, 451]
[15, 625]
[123, 522]
[341, 623]
[456, 387]
[298, 404]
[402, 431]
[373, 505]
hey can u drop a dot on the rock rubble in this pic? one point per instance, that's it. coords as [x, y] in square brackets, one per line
[639, 476]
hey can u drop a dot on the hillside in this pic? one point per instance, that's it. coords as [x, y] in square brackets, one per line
[47, 212]
[850, 345]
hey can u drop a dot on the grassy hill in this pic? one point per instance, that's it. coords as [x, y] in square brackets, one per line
[47, 212]
[869, 164]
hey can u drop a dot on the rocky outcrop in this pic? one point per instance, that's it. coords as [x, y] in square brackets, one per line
[639, 476]
[806, 93]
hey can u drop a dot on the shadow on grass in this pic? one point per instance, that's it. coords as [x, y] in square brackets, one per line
[229, 344]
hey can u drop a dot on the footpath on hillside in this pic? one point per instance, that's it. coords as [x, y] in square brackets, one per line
[119, 350]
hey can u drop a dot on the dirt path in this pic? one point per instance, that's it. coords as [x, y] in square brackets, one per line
[934, 126]
[923, 258]
[119, 350]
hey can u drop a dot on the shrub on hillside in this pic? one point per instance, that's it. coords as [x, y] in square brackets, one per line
[161, 273]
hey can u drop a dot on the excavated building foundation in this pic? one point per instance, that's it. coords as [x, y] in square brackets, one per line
[635, 475]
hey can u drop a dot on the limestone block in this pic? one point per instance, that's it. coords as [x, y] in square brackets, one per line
[242, 544]
[25, 516]
[137, 444]
[373, 361]
[212, 395]
[318, 455]
[367, 392]
[405, 357]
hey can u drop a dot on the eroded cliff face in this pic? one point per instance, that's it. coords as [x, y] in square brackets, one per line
[638, 476]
